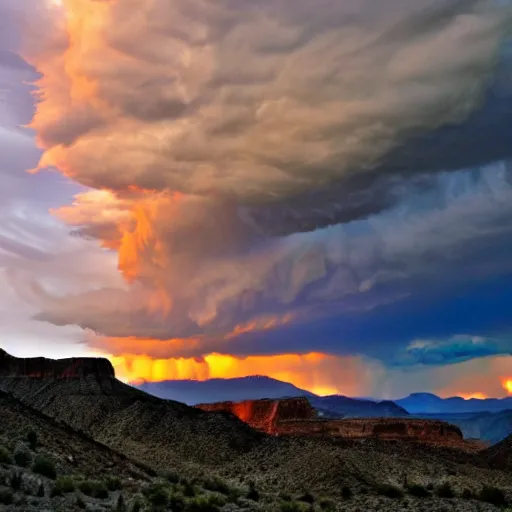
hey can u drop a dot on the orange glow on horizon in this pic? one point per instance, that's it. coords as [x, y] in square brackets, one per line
[304, 371]
[507, 385]
[469, 396]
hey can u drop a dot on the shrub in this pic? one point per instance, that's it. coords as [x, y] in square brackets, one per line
[216, 485]
[172, 477]
[158, 494]
[113, 483]
[390, 491]
[40, 491]
[80, 503]
[177, 503]
[291, 506]
[285, 496]
[189, 489]
[307, 498]
[5, 456]
[22, 457]
[417, 490]
[6, 497]
[136, 506]
[253, 493]
[94, 489]
[121, 505]
[328, 505]
[493, 495]
[32, 439]
[202, 504]
[63, 485]
[44, 466]
[16, 479]
[467, 494]
[346, 492]
[445, 491]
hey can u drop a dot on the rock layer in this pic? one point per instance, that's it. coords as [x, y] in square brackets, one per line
[40, 367]
[296, 416]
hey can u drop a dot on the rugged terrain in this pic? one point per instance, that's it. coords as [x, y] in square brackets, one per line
[281, 473]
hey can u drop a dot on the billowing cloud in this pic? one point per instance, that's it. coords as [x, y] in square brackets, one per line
[272, 159]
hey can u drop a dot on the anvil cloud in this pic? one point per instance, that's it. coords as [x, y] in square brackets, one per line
[330, 163]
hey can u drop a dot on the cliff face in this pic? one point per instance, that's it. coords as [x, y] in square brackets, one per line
[265, 415]
[296, 416]
[40, 367]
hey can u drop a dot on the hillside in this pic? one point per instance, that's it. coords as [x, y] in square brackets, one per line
[491, 427]
[170, 436]
[428, 403]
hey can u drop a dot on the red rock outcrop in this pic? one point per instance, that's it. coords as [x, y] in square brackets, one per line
[40, 367]
[296, 416]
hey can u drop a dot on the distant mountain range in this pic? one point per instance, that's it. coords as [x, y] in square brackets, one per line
[487, 419]
[419, 403]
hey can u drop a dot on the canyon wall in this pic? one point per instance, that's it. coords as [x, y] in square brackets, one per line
[296, 416]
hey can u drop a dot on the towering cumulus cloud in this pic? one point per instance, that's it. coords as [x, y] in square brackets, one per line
[220, 140]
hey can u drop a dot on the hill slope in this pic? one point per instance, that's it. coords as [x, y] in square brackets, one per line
[419, 403]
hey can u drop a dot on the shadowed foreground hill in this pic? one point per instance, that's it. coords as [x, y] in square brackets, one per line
[167, 435]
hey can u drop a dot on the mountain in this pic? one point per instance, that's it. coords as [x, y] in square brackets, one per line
[194, 392]
[83, 396]
[419, 403]
[258, 387]
[338, 406]
[487, 426]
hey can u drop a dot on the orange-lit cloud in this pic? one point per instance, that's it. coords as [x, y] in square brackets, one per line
[507, 385]
[319, 373]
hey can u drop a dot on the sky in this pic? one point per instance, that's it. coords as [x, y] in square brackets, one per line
[320, 192]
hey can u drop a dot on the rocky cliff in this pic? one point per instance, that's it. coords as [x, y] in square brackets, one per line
[40, 367]
[296, 416]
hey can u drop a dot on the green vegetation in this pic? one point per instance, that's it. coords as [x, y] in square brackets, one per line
[467, 494]
[22, 457]
[216, 485]
[158, 494]
[417, 490]
[44, 466]
[390, 491]
[493, 495]
[5, 456]
[445, 491]
[253, 493]
[94, 488]
[172, 477]
[6, 497]
[328, 505]
[291, 506]
[113, 483]
[16, 479]
[63, 485]
[307, 497]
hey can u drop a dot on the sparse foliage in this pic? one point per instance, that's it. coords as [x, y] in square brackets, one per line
[44, 466]
[493, 495]
[445, 491]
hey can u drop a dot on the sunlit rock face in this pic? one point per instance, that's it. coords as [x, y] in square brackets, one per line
[296, 416]
[40, 367]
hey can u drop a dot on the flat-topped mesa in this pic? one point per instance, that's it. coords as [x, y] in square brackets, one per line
[40, 367]
[296, 416]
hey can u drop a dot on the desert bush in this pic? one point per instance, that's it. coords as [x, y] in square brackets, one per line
[467, 494]
[113, 483]
[285, 496]
[16, 480]
[5, 456]
[94, 489]
[32, 439]
[307, 497]
[137, 506]
[390, 491]
[172, 477]
[6, 497]
[417, 490]
[189, 489]
[328, 505]
[346, 493]
[80, 503]
[253, 493]
[22, 457]
[202, 504]
[216, 485]
[40, 491]
[291, 506]
[158, 494]
[492, 495]
[63, 485]
[44, 466]
[120, 505]
[445, 491]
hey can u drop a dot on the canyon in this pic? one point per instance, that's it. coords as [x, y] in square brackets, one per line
[296, 416]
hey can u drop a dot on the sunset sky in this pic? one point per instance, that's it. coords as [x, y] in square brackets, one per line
[317, 191]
